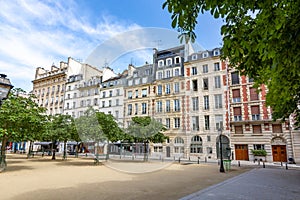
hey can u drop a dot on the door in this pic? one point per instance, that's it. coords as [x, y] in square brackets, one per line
[168, 151]
[241, 152]
[279, 153]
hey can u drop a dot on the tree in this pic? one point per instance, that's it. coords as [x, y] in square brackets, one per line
[62, 128]
[260, 38]
[20, 119]
[145, 130]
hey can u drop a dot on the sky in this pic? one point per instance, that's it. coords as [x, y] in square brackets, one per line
[39, 33]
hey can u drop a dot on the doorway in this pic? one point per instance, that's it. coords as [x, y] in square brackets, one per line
[241, 152]
[168, 151]
[279, 153]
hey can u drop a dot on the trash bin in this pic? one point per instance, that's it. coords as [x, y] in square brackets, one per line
[227, 164]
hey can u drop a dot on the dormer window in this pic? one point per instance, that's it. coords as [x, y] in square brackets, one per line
[169, 61]
[216, 52]
[194, 57]
[205, 55]
[177, 60]
[160, 63]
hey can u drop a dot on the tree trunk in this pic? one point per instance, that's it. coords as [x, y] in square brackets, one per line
[53, 152]
[145, 152]
[65, 150]
[76, 150]
[30, 149]
[2, 155]
[96, 153]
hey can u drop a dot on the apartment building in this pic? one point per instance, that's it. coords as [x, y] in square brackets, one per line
[49, 87]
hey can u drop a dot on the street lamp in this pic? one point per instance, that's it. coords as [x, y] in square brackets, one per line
[5, 87]
[221, 151]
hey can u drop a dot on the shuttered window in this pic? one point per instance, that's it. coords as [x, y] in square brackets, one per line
[277, 128]
[238, 129]
[253, 94]
[237, 111]
[256, 128]
[255, 110]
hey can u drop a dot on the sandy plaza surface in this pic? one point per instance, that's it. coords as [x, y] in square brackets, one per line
[78, 178]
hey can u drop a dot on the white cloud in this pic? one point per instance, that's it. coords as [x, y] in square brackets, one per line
[37, 33]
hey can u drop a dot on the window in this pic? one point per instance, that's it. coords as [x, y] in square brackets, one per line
[136, 110]
[237, 114]
[96, 91]
[95, 101]
[135, 74]
[178, 140]
[158, 149]
[103, 104]
[144, 108]
[129, 109]
[238, 129]
[168, 88]
[176, 122]
[103, 94]
[195, 102]
[168, 123]
[178, 149]
[194, 70]
[195, 122]
[88, 102]
[177, 60]
[206, 102]
[219, 121]
[255, 112]
[194, 57]
[251, 80]
[256, 129]
[277, 128]
[196, 144]
[118, 92]
[109, 103]
[176, 105]
[117, 102]
[129, 94]
[205, 68]
[216, 52]
[144, 92]
[176, 87]
[209, 150]
[208, 138]
[168, 106]
[169, 61]
[217, 66]
[158, 106]
[195, 85]
[205, 83]
[68, 96]
[217, 82]
[117, 114]
[159, 75]
[205, 55]
[159, 89]
[168, 74]
[236, 96]
[235, 78]
[206, 122]
[110, 93]
[253, 94]
[258, 146]
[160, 63]
[218, 101]
[177, 72]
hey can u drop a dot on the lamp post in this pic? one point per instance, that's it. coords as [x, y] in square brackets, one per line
[221, 151]
[5, 87]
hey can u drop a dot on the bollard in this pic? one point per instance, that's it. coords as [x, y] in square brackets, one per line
[286, 166]
[281, 163]
[179, 159]
[239, 164]
[198, 160]
[258, 162]
[205, 159]
[264, 165]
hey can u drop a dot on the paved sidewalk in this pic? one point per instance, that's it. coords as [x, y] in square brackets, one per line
[262, 183]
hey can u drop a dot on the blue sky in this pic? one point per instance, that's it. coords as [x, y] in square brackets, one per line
[38, 33]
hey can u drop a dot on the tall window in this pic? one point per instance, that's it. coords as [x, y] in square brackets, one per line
[195, 85]
[103, 94]
[159, 89]
[217, 66]
[194, 70]
[129, 109]
[168, 123]
[219, 121]
[177, 72]
[256, 129]
[253, 94]
[168, 73]
[110, 93]
[196, 144]
[218, 101]
[117, 114]
[277, 128]
[195, 102]
[205, 68]
[129, 94]
[136, 110]
[136, 93]
[195, 122]
[118, 92]
[109, 103]
[168, 88]
[235, 78]
[158, 106]
[255, 112]
[176, 87]
[144, 92]
[205, 84]
[236, 96]
[117, 102]
[217, 82]
[237, 114]
[206, 122]
[206, 102]
[176, 122]
[144, 108]
[159, 75]
[238, 129]
[168, 106]
[176, 105]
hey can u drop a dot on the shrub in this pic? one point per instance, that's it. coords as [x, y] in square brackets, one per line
[261, 152]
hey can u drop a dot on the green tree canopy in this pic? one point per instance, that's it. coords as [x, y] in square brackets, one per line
[260, 39]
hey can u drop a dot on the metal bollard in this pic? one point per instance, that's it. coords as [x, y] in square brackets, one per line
[286, 166]
[179, 159]
[239, 164]
[264, 165]
[205, 159]
[281, 163]
[198, 160]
